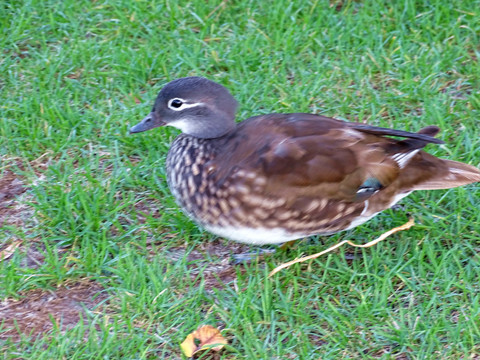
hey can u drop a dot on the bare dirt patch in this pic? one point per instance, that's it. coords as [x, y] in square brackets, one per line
[34, 254]
[34, 313]
[15, 212]
[146, 208]
[11, 211]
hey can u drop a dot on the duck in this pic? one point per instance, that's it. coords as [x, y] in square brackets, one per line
[279, 177]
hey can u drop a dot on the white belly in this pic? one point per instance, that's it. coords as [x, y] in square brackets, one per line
[259, 236]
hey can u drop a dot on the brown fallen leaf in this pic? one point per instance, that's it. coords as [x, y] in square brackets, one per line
[9, 250]
[208, 338]
[405, 226]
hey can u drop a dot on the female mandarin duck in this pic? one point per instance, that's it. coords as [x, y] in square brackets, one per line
[279, 177]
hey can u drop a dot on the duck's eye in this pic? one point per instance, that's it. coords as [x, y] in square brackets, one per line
[175, 103]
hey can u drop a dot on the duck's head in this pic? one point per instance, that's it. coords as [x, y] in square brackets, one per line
[195, 105]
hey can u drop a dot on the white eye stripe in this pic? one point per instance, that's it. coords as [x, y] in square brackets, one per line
[181, 104]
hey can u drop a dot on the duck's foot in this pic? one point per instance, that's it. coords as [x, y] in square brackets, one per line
[245, 258]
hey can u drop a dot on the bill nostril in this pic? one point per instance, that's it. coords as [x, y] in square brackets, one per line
[148, 120]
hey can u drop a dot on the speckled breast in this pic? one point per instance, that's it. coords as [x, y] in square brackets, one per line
[188, 177]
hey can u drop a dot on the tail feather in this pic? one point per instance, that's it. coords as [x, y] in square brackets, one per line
[430, 130]
[422, 171]
[449, 174]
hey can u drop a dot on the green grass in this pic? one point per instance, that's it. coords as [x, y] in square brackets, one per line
[75, 75]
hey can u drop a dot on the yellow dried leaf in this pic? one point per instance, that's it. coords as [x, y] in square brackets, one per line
[207, 337]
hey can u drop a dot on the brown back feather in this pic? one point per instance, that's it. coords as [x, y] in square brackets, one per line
[314, 156]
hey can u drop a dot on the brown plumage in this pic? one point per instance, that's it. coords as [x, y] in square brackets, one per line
[279, 177]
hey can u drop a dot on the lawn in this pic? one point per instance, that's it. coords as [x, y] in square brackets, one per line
[98, 261]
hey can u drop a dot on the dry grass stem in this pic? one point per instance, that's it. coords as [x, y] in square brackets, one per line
[405, 226]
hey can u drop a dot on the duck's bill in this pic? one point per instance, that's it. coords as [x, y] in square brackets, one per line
[149, 122]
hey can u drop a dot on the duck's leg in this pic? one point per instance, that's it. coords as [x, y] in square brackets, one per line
[260, 253]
